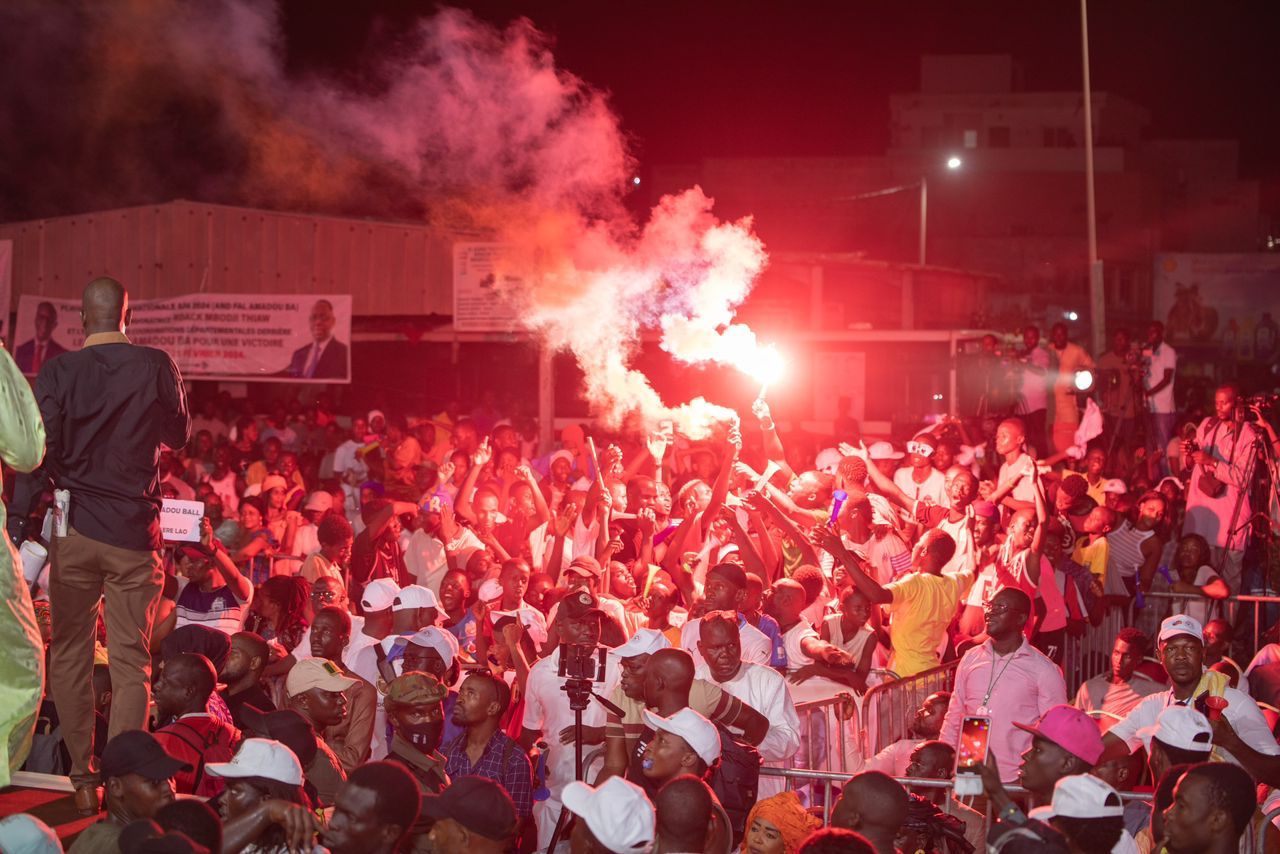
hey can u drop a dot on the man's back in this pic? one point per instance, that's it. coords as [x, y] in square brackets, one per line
[107, 408]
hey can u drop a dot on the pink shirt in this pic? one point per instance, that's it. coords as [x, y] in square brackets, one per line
[1021, 686]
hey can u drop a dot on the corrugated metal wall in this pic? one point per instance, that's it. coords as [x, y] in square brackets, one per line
[185, 247]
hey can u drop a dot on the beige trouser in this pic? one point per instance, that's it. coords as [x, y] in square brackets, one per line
[85, 570]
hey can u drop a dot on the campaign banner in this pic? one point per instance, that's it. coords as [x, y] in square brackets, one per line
[480, 285]
[180, 520]
[245, 337]
[1229, 301]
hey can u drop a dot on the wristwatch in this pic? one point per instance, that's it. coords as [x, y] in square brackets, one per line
[1011, 814]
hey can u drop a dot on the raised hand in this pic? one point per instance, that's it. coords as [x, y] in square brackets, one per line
[646, 521]
[482, 454]
[657, 444]
[760, 409]
[825, 537]
[525, 473]
[447, 470]
[611, 461]
[565, 518]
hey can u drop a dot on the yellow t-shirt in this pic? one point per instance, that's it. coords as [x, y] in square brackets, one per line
[922, 608]
[1092, 557]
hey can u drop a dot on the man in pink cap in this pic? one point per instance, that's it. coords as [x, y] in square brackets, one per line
[1066, 741]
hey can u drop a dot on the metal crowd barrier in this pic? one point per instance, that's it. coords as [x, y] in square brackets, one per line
[828, 779]
[888, 709]
[1089, 655]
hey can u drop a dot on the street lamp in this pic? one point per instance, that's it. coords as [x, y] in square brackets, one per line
[953, 163]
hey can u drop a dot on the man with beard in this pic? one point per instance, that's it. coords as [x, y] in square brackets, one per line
[1241, 735]
[925, 726]
[243, 675]
[483, 749]
[756, 685]
[136, 780]
[350, 739]
[1005, 679]
[414, 709]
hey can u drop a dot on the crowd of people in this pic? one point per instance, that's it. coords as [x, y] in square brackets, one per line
[404, 631]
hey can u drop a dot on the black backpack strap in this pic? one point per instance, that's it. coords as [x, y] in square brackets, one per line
[204, 745]
[385, 670]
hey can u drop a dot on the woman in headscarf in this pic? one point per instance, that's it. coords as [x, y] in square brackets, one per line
[778, 825]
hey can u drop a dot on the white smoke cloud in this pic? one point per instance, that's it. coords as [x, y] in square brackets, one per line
[483, 125]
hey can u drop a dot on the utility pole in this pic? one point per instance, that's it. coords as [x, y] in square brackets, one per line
[1097, 297]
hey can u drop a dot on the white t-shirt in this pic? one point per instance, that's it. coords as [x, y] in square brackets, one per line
[1035, 386]
[765, 690]
[1241, 712]
[934, 487]
[1164, 358]
[1024, 491]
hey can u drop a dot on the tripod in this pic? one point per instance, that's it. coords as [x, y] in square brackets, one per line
[583, 666]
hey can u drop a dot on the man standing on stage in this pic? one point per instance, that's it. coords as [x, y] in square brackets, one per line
[107, 410]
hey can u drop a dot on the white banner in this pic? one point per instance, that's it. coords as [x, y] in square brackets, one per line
[263, 337]
[180, 520]
[478, 286]
[6, 289]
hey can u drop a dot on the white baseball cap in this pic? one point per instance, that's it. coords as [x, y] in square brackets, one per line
[490, 590]
[1182, 727]
[434, 637]
[699, 733]
[261, 757]
[1081, 796]
[1180, 624]
[828, 460]
[379, 594]
[1115, 486]
[415, 596]
[617, 812]
[321, 501]
[883, 451]
[643, 642]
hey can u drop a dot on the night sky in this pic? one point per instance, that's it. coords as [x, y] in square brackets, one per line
[688, 80]
[694, 80]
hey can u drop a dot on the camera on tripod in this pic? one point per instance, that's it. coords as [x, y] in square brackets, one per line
[1265, 403]
[581, 666]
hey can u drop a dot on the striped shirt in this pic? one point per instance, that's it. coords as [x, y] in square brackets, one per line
[502, 761]
[217, 608]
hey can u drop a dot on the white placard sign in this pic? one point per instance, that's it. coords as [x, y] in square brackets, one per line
[180, 520]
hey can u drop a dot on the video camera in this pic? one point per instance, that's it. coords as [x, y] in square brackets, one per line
[1265, 402]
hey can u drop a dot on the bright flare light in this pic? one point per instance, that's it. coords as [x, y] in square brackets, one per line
[954, 162]
[766, 366]
[1084, 380]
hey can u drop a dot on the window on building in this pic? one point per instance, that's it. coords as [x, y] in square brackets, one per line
[1059, 137]
[998, 137]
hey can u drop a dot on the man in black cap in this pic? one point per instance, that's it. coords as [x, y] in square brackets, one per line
[473, 816]
[547, 714]
[136, 774]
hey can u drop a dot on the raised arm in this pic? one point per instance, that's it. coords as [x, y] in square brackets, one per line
[773, 449]
[825, 537]
[733, 446]
[885, 485]
[467, 493]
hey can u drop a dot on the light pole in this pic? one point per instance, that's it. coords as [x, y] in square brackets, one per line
[1097, 298]
[952, 163]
